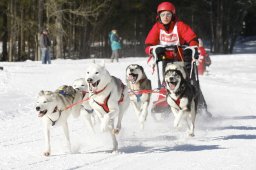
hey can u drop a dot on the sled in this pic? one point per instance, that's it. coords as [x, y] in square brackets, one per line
[160, 109]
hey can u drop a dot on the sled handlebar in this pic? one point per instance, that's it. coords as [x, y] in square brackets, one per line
[194, 49]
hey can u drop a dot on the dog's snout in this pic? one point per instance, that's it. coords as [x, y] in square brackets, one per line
[131, 70]
[171, 79]
[37, 108]
[89, 80]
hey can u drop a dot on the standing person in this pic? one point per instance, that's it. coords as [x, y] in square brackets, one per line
[204, 58]
[167, 31]
[45, 44]
[115, 45]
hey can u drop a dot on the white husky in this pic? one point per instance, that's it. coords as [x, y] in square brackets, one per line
[138, 81]
[108, 98]
[53, 108]
[87, 112]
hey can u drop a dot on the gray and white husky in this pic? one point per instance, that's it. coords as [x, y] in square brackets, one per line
[108, 98]
[181, 96]
[52, 107]
[137, 81]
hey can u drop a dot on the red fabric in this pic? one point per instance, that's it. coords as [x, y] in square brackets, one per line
[201, 65]
[186, 35]
[202, 51]
[161, 101]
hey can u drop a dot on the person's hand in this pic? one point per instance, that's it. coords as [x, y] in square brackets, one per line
[197, 54]
[160, 52]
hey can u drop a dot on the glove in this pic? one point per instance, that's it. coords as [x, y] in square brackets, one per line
[187, 53]
[196, 54]
[160, 52]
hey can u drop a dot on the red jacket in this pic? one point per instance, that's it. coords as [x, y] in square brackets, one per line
[185, 33]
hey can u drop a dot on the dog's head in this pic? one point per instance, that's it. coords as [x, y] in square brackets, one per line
[134, 73]
[173, 76]
[80, 84]
[97, 77]
[45, 102]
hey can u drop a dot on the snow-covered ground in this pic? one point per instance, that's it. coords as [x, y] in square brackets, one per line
[226, 142]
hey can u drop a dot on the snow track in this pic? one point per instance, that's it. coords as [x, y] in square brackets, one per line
[226, 141]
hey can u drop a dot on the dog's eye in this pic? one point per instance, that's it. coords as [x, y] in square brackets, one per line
[82, 85]
[45, 101]
[97, 73]
[88, 72]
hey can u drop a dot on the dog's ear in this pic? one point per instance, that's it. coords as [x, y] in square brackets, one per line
[41, 93]
[102, 63]
[142, 69]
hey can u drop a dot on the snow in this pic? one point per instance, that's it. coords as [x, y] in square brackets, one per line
[226, 141]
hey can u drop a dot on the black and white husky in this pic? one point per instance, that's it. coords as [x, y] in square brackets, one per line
[181, 96]
[108, 98]
[137, 81]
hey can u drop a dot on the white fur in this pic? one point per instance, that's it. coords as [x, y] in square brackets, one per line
[48, 100]
[87, 113]
[105, 88]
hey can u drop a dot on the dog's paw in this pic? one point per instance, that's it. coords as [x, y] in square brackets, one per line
[46, 153]
[176, 123]
[142, 125]
[191, 134]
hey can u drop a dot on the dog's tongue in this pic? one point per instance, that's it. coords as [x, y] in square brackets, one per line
[172, 86]
[130, 78]
[40, 114]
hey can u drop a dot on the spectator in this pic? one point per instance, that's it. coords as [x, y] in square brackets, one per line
[115, 45]
[45, 44]
[204, 58]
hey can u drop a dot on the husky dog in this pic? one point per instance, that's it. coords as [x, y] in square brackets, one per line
[181, 96]
[80, 84]
[138, 81]
[86, 110]
[108, 98]
[53, 108]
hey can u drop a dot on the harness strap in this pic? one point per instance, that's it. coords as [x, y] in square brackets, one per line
[55, 110]
[104, 105]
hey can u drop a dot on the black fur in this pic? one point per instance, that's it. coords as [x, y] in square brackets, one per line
[185, 90]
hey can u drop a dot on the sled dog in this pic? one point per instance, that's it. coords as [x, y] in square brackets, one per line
[181, 96]
[137, 81]
[108, 98]
[52, 108]
[86, 111]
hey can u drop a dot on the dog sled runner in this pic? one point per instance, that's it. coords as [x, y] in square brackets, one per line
[160, 108]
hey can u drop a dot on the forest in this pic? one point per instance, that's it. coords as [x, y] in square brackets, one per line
[79, 28]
